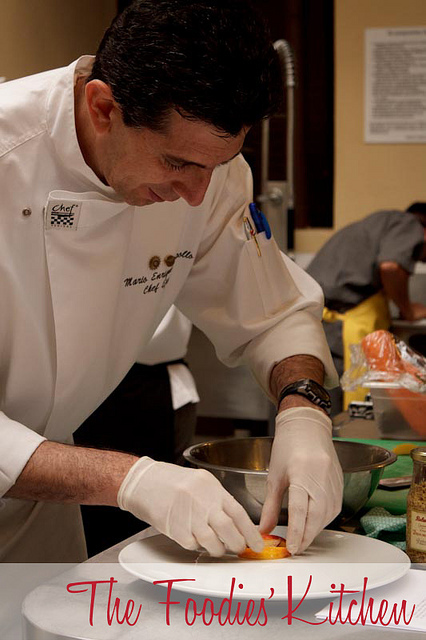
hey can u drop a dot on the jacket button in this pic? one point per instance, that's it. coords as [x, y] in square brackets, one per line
[26, 212]
[154, 263]
[170, 260]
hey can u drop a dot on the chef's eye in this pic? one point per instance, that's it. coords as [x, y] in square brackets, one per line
[173, 166]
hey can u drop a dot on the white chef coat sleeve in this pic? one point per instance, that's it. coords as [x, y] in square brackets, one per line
[299, 332]
[256, 309]
[17, 444]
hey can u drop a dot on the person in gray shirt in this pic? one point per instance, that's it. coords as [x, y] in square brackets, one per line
[361, 268]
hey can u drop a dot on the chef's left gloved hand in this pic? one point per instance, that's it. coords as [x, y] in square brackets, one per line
[188, 505]
[304, 461]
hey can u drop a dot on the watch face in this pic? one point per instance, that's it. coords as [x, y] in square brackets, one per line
[318, 390]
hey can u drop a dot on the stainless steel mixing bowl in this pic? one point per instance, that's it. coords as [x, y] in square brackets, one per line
[241, 465]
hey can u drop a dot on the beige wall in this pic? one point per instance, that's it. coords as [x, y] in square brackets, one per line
[42, 34]
[367, 176]
[36, 35]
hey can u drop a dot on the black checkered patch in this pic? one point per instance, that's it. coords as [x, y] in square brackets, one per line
[61, 220]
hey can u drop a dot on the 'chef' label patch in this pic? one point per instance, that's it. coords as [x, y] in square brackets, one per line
[63, 214]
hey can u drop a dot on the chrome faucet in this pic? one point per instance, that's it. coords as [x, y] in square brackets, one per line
[277, 197]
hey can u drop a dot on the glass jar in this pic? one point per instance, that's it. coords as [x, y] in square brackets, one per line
[416, 508]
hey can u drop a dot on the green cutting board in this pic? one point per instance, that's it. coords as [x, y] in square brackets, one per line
[394, 500]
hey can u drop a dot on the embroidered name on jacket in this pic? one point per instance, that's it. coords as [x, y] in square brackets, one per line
[155, 281]
[63, 214]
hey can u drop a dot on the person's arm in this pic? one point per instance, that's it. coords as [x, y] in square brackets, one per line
[395, 285]
[264, 311]
[66, 473]
[188, 505]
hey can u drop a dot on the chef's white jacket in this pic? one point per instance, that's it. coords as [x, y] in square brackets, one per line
[80, 296]
[170, 342]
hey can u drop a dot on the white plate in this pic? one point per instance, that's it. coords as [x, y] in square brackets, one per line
[334, 558]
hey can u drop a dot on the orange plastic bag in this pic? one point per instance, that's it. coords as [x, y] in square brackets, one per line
[387, 354]
[390, 360]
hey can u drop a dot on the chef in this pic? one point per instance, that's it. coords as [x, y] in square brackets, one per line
[123, 192]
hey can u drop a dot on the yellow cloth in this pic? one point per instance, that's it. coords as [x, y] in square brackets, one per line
[368, 316]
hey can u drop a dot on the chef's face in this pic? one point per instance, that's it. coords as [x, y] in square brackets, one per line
[145, 166]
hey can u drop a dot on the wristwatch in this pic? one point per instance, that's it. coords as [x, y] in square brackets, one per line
[308, 389]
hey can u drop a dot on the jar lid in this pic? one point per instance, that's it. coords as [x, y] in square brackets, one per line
[419, 454]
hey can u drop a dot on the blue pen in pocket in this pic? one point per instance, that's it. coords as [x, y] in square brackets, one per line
[260, 221]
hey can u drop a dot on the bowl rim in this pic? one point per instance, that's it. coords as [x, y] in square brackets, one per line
[390, 456]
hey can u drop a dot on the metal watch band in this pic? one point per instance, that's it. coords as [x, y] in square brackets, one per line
[309, 389]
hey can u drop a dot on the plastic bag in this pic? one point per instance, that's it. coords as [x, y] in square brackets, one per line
[381, 357]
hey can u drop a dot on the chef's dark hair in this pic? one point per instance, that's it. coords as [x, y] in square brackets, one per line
[211, 60]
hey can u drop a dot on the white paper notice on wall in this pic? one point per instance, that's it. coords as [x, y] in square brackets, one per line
[395, 85]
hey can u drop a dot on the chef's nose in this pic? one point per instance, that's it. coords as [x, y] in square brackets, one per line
[193, 187]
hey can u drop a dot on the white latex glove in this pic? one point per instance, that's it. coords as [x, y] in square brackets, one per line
[304, 461]
[188, 505]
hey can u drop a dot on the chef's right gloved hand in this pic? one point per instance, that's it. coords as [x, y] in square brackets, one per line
[304, 462]
[188, 505]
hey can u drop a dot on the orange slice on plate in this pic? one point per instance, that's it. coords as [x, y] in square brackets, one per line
[275, 547]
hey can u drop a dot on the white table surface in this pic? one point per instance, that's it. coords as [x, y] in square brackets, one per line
[51, 613]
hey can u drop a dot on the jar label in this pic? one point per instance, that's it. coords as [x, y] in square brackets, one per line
[418, 530]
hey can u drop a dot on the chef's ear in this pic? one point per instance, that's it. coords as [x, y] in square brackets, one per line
[101, 104]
